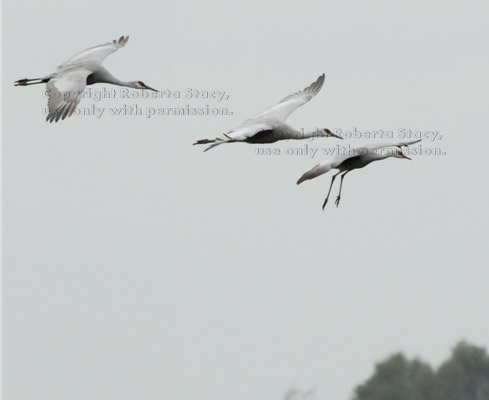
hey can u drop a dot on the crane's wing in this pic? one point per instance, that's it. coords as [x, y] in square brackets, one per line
[323, 167]
[64, 93]
[288, 105]
[245, 132]
[96, 54]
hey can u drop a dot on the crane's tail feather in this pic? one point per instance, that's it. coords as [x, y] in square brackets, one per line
[204, 141]
[26, 81]
[314, 172]
[214, 142]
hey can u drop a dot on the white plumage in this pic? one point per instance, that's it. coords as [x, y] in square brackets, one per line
[66, 85]
[355, 159]
[269, 126]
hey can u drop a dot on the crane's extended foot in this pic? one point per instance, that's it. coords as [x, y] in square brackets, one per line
[21, 82]
[329, 191]
[325, 202]
[26, 81]
[337, 201]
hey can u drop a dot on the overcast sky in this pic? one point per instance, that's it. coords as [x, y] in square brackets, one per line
[137, 266]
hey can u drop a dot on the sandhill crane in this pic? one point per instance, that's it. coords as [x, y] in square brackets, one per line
[357, 158]
[66, 85]
[269, 126]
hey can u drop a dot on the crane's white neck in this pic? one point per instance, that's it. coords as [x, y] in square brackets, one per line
[302, 134]
[107, 77]
[382, 154]
[130, 84]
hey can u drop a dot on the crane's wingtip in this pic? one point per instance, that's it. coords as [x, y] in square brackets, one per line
[122, 40]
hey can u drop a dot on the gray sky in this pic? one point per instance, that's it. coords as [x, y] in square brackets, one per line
[137, 266]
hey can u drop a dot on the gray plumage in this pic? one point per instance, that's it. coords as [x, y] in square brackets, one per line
[357, 158]
[65, 86]
[269, 126]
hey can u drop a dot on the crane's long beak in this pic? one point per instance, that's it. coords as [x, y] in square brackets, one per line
[336, 136]
[329, 133]
[406, 157]
[150, 88]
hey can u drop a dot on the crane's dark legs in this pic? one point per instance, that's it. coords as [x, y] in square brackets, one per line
[26, 82]
[341, 185]
[330, 186]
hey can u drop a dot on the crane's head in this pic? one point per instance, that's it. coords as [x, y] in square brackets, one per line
[399, 154]
[141, 85]
[328, 133]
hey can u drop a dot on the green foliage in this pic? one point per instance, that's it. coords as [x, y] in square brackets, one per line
[465, 376]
